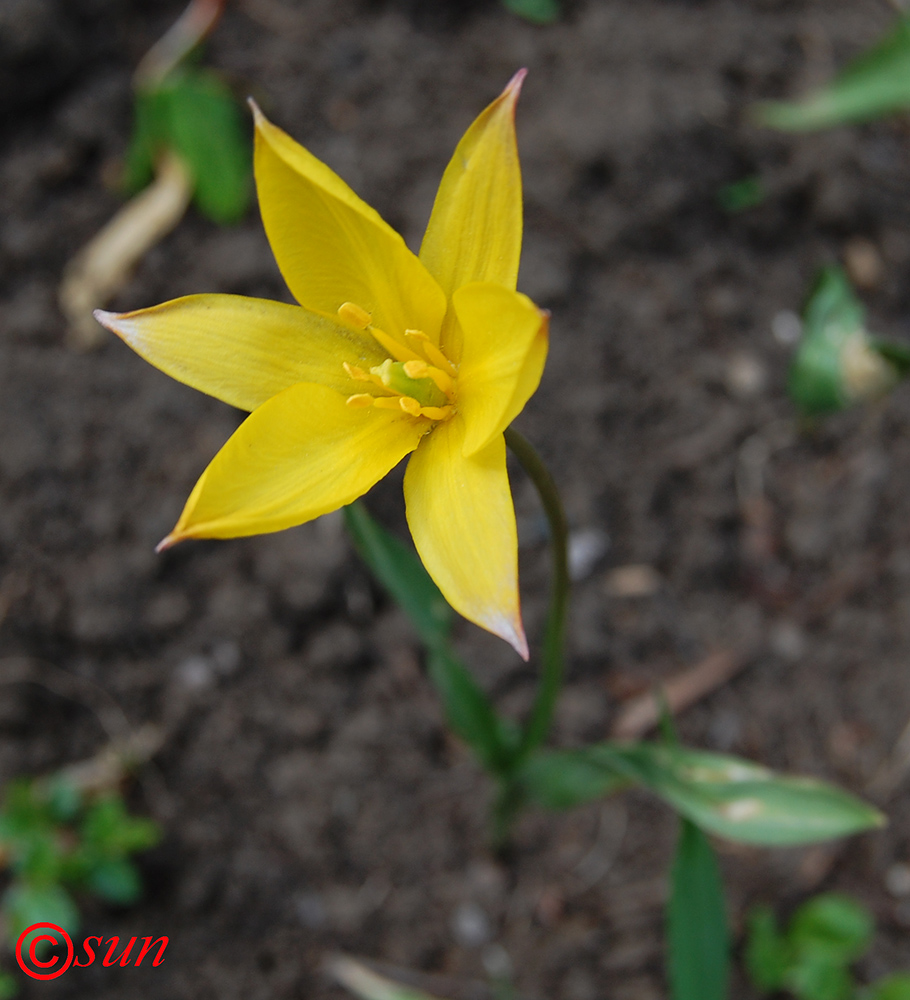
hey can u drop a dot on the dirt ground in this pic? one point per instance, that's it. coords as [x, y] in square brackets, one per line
[311, 798]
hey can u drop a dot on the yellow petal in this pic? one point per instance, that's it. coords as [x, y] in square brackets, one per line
[332, 248]
[301, 454]
[474, 233]
[505, 347]
[244, 351]
[463, 524]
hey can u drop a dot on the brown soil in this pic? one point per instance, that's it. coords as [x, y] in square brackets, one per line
[311, 797]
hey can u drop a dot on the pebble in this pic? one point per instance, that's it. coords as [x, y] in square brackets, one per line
[786, 327]
[897, 879]
[636, 580]
[863, 263]
[471, 926]
[586, 548]
[745, 376]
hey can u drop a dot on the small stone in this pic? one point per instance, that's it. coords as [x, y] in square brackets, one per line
[863, 263]
[586, 548]
[745, 376]
[897, 879]
[636, 580]
[787, 640]
[310, 910]
[786, 327]
[196, 673]
[471, 926]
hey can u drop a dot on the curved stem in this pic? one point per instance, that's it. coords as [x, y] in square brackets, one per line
[554, 637]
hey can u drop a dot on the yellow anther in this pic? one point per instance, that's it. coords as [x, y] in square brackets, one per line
[358, 374]
[410, 405]
[416, 369]
[386, 402]
[398, 351]
[360, 400]
[437, 412]
[432, 353]
[351, 313]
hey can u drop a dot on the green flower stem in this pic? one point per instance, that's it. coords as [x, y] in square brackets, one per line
[538, 725]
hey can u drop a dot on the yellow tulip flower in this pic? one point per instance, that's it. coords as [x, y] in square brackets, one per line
[388, 354]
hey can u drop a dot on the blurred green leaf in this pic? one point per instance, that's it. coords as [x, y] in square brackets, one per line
[26, 904]
[697, 935]
[563, 779]
[401, 572]
[535, 11]
[116, 880]
[768, 955]
[730, 797]
[875, 84]
[149, 138]
[8, 986]
[206, 130]
[896, 987]
[742, 194]
[815, 977]
[836, 363]
[194, 114]
[834, 925]
[468, 710]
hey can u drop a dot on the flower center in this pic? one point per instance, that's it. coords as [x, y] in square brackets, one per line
[418, 378]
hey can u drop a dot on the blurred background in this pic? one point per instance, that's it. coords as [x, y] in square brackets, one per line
[309, 795]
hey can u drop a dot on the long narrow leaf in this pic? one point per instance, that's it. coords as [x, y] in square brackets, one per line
[877, 83]
[697, 935]
[727, 796]
[468, 710]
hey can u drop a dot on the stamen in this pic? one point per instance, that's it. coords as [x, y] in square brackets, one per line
[410, 405]
[437, 412]
[432, 352]
[416, 369]
[358, 374]
[398, 351]
[352, 313]
[360, 400]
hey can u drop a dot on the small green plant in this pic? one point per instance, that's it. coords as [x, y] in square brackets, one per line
[57, 842]
[535, 11]
[811, 959]
[837, 362]
[874, 85]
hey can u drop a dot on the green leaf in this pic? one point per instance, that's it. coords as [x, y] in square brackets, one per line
[697, 935]
[875, 84]
[149, 139]
[768, 955]
[204, 127]
[110, 831]
[836, 363]
[535, 11]
[563, 779]
[895, 987]
[8, 986]
[25, 904]
[469, 711]
[401, 572]
[116, 880]
[815, 977]
[194, 114]
[742, 194]
[467, 708]
[735, 798]
[832, 924]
